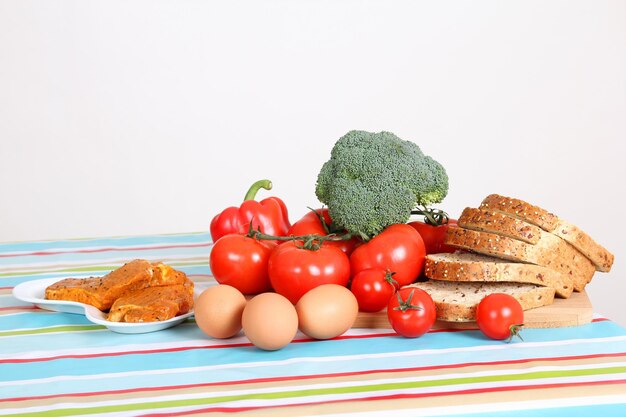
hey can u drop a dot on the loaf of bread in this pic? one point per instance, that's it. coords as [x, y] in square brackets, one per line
[598, 255]
[470, 267]
[515, 248]
[457, 301]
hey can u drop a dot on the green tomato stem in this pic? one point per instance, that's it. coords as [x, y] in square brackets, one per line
[434, 217]
[311, 242]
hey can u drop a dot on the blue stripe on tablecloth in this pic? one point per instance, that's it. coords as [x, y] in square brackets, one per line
[604, 410]
[320, 349]
[11, 247]
[437, 340]
[30, 320]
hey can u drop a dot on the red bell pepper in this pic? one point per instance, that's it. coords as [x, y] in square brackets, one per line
[269, 214]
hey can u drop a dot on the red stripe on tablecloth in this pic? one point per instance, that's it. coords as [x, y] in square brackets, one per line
[223, 346]
[178, 349]
[19, 308]
[390, 397]
[111, 249]
[317, 376]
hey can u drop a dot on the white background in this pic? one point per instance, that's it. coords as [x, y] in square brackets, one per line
[141, 117]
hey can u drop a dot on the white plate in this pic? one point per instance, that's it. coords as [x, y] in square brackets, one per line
[34, 292]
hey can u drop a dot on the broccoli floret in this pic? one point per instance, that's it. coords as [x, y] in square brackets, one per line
[374, 180]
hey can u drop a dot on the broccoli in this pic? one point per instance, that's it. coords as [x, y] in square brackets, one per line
[374, 180]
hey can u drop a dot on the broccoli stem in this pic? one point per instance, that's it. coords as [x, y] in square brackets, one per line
[254, 189]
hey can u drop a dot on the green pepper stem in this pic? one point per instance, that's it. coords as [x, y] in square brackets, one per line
[254, 189]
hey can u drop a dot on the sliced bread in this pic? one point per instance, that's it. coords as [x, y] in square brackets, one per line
[493, 221]
[470, 267]
[550, 252]
[503, 224]
[457, 301]
[597, 254]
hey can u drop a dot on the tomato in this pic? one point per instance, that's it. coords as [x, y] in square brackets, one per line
[373, 288]
[311, 224]
[293, 270]
[434, 236]
[500, 316]
[241, 262]
[411, 312]
[399, 248]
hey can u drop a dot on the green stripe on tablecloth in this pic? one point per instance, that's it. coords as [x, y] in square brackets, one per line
[55, 329]
[372, 388]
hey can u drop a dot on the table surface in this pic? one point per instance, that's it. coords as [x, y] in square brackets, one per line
[61, 364]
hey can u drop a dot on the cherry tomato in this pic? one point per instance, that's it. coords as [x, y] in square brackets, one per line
[500, 316]
[373, 288]
[311, 224]
[399, 248]
[293, 270]
[411, 312]
[434, 236]
[241, 262]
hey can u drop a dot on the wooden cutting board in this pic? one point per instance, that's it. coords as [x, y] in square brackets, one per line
[574, 311]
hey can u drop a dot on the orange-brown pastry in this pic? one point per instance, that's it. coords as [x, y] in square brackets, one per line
[153, 304]
[101, 292]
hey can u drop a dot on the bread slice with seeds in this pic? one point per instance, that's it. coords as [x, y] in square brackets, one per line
[597, 254]
[470, 267]
[550, 252]
[457, 301]
[503, 224]
[494, 221]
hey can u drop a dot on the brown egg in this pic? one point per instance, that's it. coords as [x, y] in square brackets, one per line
[327, 311]
[218, 311]
[270, 321]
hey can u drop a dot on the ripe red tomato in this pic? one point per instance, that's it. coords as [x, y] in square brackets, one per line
[434, 236]
[241, 262]
[293, 270]
[399, 248]
[411, 312]
[310, 224]
[500, 316]
[373, 288]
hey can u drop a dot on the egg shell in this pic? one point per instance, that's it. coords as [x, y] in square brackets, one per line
[327, 311]
[270, 321]
[218, 311]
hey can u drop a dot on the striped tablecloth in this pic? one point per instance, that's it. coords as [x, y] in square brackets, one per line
[60, 364]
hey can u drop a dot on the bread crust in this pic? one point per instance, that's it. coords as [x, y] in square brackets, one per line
[502, 223]
[601, 258]
[521, 210]
[469, 267]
